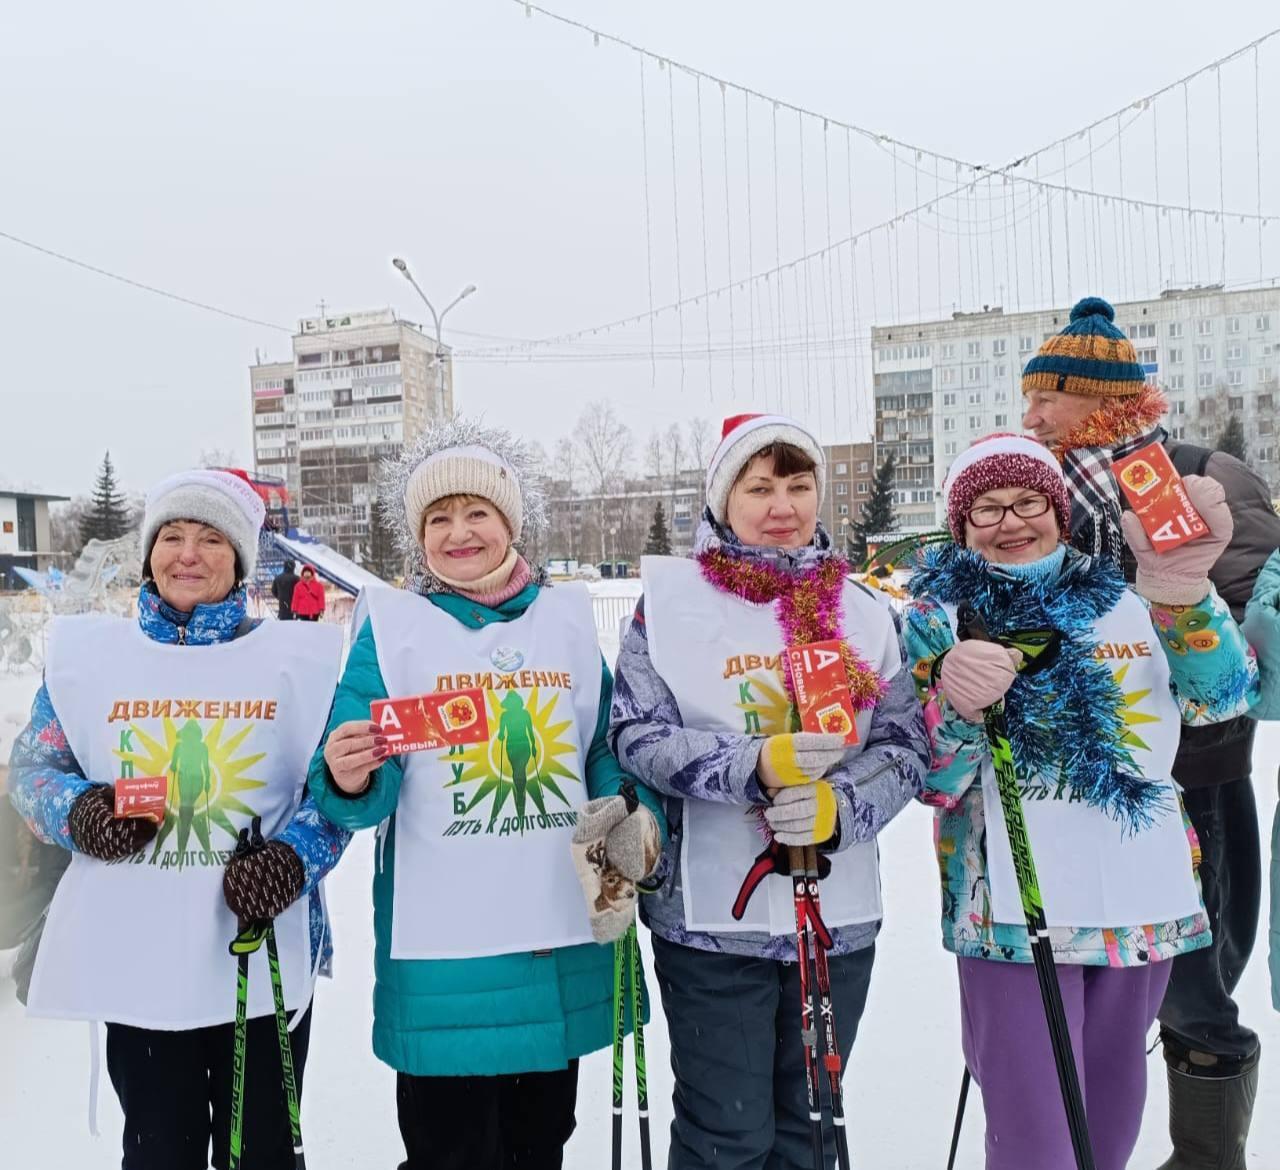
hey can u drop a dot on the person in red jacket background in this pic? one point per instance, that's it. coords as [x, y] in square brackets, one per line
[308, 597]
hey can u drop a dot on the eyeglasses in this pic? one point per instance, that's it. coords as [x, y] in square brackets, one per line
[989, 515]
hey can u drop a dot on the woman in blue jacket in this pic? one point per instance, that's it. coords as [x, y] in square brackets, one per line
[489, 980]
[228, 710]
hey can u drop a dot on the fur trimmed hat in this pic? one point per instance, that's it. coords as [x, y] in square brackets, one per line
[216, 498]
[1090, 356]
[460, 456]
[742, 438]
[1003, 461]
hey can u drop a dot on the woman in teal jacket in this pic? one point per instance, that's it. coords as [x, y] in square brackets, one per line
[1262, 628]
[490, 980]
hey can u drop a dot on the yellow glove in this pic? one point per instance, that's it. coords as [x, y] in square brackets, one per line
[798, 758]
[803, 815]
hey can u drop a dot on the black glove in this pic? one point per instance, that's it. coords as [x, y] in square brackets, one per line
[262, 883]
[96, 831]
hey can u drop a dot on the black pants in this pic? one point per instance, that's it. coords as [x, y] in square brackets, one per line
[517, 1122]
[1198, 1011]
[175, 1090]
[741, 1097]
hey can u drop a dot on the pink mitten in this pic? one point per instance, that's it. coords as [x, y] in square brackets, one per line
[977, 674]
[1181, 575]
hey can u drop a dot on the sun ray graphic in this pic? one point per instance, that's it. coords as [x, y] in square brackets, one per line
[522, 761]
[769, 700]
[207, 781]
[1132, 717]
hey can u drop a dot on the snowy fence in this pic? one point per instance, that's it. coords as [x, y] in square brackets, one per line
[610, 611]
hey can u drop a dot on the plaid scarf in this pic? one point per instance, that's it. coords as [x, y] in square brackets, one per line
[1095, 498]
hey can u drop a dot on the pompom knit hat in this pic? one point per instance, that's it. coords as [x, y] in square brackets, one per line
[1003, 461]
[216, 498]
[1090, 356]
[742, 438]
[466, 470]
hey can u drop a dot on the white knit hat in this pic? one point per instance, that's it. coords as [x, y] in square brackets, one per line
[466, 470]
[216, 498]
[743, 437]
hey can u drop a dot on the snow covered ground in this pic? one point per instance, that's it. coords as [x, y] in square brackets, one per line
[900, 1089]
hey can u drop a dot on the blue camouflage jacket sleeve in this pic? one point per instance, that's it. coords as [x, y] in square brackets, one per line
[958, 747]
[44, 777]
[1261, 628]
[1213, 674]
[605, 776]
[874, 785]
[650, 740]
[361, 684]
[315, 839]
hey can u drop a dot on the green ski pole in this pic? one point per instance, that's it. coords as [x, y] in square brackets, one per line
[619, 1032]
[286, 1050]
[970, 625]
[248, 940]
[637, 1036]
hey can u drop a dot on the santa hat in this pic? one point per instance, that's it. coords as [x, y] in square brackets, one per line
[1003, 461]
[216, 498]
[743, 437]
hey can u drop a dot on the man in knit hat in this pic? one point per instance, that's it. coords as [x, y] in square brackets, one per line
[1087, 399]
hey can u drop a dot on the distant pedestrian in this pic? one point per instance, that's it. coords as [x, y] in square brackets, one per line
[308, 597]
[282, 590]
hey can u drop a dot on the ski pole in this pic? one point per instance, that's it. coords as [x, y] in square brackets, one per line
[822, 973]
[971, 626]
[808, 1029]
[286, 1050]
[955, 1133]
[637, 1037]
[247, 940]
[619, 1033]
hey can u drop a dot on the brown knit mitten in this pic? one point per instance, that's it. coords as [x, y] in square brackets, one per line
[96, 831]
[263, 884]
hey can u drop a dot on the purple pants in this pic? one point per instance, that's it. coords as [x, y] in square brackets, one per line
[1006, 1046]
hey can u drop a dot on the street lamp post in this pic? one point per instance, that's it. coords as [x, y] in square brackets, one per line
[437, 320]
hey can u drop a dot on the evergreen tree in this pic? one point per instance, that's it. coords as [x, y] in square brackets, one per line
[658, 542]
[1231, 440]
[108, 515]
[384, 558]
[877, 513]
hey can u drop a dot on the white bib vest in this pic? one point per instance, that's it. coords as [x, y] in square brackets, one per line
[233, 726]
[720, 657]
[482, 859]
[1092, 873]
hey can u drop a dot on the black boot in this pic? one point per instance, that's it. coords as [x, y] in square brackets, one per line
[1210, 1107]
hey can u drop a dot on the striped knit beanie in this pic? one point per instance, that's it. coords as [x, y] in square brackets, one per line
[1090, 356]
[742, 438]
[1003, 461]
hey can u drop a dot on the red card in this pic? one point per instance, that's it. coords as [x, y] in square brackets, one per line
[424, 722]
[142, 796]
[822, 688]
[1157, 496]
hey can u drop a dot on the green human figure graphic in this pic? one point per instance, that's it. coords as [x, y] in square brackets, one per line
[193, 778]
[516, 734]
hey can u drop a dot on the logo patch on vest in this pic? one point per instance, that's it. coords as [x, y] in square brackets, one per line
[511, 782]
[211, 787]
[506, 658]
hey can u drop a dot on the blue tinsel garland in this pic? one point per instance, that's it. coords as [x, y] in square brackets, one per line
[1068, 715]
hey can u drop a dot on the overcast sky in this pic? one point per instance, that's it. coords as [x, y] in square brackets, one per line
[262, 157]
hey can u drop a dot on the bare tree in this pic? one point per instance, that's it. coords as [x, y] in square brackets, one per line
[701, 441]
[653, 456]
[673, 448]
[605, 444]
[219, 457]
